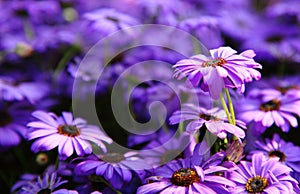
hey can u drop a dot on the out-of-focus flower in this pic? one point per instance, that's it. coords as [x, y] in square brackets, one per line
[108, 20]
[183, 176]
[13, 121]
[263, 176]
[45, 184]
[11, 89]
[223, 69]
[274, 41]
[205, 28]
[213, 119]
[117, 168]
[287, 152]
[66, 133]
[264, 113]
[166, 148]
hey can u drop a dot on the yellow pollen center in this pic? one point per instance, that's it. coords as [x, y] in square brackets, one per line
[256, 184]
[68, 130]
[270, 105]
[214, 62]
[185, 177]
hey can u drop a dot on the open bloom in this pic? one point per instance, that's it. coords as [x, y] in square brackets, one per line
[213, 119]
[287, 152]
[265, 111]
[12, 124]
[224, 68]
[45, 184]
[263, 176]
[66, 133]
[117, 168]
[183, 176]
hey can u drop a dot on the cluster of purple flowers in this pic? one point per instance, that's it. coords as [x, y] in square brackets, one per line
[230, 90]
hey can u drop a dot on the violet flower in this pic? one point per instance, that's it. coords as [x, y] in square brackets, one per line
[287, 152]
[265, 111]
[182, 176]
[223, 69]
[263, 176]
[46, 184]
[117, 168]
[66, 133]
[213, 119]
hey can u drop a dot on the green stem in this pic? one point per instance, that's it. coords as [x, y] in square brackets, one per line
[181, 130]
[56, 162]
[106, 183]
[28, 29]
[230, 106]
[225, 108]
[64, 60]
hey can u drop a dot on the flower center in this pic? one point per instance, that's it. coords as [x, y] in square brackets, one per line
[256, 184]
[277, 153]
[275, 39]
[68, 130]
[214, 62]
[185, 177]
[270, 105]
[44, 191]
[283, 90]
[5, 119]
[170, 155]
[113, 157]
[208, 117]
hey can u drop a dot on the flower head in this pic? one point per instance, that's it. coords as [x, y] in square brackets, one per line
[65, 132]
[224, 68]
[13, 121]
[262, 176]
[265, 111]
[287, 152]
[183, 176]
[45, 184]
[214, 121]
[117, 168]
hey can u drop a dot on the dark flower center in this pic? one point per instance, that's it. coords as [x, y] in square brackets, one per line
[170, 155]
[208, 117]
[214, 62]
[283, 90]
[68, 130]
[277, 153]
[270, 105]
[112, 19]
[185, 177]
[113, 157]
[44, 191]
[256, 184]
[274, 38]
[5, 118]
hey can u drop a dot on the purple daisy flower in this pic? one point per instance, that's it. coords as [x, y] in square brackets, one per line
[182, 176]
[46, 184]
[162, 150]
[262, 176]
[66, 133]
[265, 111]
[117, 168]
[12, 124]
[214, 120]
[224, 68]
[287, 152]
[11, 89]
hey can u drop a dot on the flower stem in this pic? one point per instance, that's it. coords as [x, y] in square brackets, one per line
[225, 108]
[106, 183]
[230, 106]
[65, 59]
